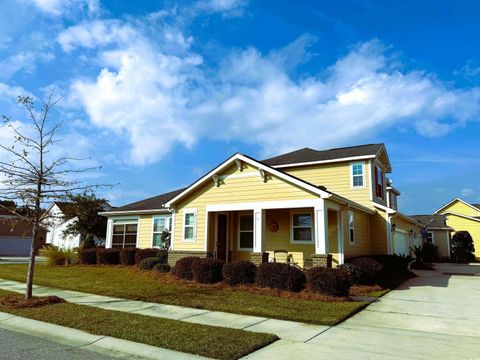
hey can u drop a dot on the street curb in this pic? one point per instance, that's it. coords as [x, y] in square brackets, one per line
[79, 339]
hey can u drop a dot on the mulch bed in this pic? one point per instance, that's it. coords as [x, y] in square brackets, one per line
[306, 294]
[19, 302]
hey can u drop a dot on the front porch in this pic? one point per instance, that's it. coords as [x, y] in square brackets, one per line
[304, 233]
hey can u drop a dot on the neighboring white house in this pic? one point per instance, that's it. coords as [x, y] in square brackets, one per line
[56, 225]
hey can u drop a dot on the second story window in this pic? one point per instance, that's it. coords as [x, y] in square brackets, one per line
[379, 182]
[358, 174]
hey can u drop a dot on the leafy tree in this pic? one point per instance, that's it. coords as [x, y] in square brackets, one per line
[31, 174]
[463, 249]
[83, 210]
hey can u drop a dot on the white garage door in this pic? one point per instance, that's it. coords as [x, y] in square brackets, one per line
[14, 246]
[400, 242]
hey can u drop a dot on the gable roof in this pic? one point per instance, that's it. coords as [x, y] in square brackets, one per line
[319, 190]
[308, 156]
[473, 206]
[432, 221]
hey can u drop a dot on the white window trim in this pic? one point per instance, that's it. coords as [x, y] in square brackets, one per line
[433, 237]
[351, 228]
[312, 227]
[168, 223]
[240, 231]
[364, 178]
[185, 212]
[126, 221]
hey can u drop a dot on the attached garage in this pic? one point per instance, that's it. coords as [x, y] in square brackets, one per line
[400, 242]
[14, 246]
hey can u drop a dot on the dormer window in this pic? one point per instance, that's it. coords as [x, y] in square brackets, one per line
[358, 175]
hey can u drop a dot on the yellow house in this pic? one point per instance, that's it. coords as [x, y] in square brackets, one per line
[315, 208]
[436, 232]
[462, 216]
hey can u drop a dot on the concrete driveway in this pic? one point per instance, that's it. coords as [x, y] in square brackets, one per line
[433, 316]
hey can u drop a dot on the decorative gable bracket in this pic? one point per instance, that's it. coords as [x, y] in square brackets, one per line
[263, 174]
[239, 164]
[216, 180]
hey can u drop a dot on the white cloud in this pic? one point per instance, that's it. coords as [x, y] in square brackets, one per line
[23, 61]
[159, 93]
[228, 8]
[60, 7]
[466, 192]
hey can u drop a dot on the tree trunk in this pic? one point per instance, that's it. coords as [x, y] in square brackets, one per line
[31, 264]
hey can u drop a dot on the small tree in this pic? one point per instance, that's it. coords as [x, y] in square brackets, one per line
[32, 175]
[463, 249]
[83, 211]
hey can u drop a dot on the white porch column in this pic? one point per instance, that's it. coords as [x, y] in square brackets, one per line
[321, 228]
[108, 235]
[258, 230]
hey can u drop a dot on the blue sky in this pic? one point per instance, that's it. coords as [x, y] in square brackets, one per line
[160, 92]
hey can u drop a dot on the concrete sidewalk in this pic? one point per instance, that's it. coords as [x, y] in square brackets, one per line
[289, 330]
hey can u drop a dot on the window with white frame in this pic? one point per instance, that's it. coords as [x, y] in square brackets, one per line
[160, 224]
[351, 227]
[302, 227]
[189, 225]
[245, 235]
[124, 234]
[379, 182]
[358, 174]
[429, 237]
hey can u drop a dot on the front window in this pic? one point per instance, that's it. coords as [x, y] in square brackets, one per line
[358, 175]
[189, 224]
[160, 224]
[124, 234]
[245, 237]
[429, 237]
[302, 227]
[351, 227]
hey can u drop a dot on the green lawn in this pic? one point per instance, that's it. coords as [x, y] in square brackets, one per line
[129, 283]
[210, 341]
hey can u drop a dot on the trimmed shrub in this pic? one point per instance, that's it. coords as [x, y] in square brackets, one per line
[58, 256]
[149, 253]
[280, 276]
[394, 267]
[127, 256]
[463, 249]
[207, 271]
[88, 256]
[239, 273]
[366, 270]
[335, 282]
[183, 267]
[163, 268]
[108, 256]
[149, 263]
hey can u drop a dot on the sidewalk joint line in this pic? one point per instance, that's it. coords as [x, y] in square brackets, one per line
[320, 333]
[191, 316]
[261, 321]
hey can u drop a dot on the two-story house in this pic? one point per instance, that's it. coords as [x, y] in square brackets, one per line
[320, 207]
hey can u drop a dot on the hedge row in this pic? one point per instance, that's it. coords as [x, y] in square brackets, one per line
[127, 257]
[378, 269]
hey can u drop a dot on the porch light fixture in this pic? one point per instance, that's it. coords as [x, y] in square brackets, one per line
[393, 227]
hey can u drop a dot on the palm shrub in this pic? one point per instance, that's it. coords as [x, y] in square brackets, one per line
[417, 251]
[59, 256]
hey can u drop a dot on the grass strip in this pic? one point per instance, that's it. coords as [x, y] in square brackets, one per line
[211, 341]
[129, 283]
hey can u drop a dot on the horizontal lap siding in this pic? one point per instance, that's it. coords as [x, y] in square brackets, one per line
[378, 233]
[145, 232]
[460, 208]
[361, 245]
[441, 239]
[473, 227]
[336, 178]
[232, 190]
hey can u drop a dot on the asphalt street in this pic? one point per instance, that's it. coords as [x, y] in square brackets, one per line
[17, 346]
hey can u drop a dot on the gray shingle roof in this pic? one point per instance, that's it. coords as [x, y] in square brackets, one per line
[476, 205]
[152, 203]
[310, 155]
[431, 221]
